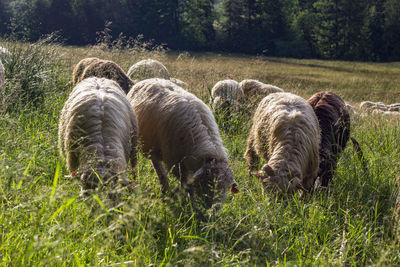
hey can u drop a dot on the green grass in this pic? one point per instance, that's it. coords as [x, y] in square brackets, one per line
[44, 220]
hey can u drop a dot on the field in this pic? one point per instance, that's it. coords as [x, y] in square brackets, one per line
[45, 221]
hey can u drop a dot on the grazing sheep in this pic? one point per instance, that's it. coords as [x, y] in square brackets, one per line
[394, 107]
[368, 106]
[380, 108]
[98, 131]
[2, 79]
[285, 132]
[253, 88]
[179, 130]
[94, 67]
[228, 93]
[80, 67]
[385, 113]
[350, 109]
[146, 69]
[334, 121]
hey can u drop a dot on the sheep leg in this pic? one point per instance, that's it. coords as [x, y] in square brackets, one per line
[162, 175]
[253, 160]
[133, 159]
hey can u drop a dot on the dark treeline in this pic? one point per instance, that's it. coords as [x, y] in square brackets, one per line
[331, 29]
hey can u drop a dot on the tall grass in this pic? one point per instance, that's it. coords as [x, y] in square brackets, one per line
[44, 220]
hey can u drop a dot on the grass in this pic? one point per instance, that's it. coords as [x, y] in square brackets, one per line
[44, 220]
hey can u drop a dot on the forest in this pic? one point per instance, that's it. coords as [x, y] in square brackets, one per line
[362, 30]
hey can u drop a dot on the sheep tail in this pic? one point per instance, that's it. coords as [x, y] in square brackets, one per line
[360, 154]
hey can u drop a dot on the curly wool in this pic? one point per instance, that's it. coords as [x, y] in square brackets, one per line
[147, 69]
[228, 92]
[334, 122]
[255, 90]
[285, 132]
[178, 129]
[97, 130]
[95, 67]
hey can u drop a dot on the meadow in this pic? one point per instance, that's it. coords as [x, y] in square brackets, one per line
[46, 221]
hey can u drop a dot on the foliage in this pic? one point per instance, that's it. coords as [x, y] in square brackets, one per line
[332, 29]
[32, 72]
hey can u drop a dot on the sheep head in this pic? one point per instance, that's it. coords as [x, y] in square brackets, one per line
[284, 181]
[210, 183]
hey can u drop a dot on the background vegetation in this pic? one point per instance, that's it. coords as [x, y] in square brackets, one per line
[45, 221]
[332, 29]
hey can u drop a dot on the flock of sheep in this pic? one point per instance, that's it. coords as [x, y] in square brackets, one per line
[109, 115]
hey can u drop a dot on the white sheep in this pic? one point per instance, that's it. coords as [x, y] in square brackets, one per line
[350, 109]
[368, 106]
[254, 88]
[98, 131]
[179, 130]
[226, 93]
[2, 79]
[285, 132]
[394, 107]
[385, 113]
[179, 82]
[146, 69]
[4, 53]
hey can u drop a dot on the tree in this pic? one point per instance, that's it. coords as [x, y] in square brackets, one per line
[392, 29]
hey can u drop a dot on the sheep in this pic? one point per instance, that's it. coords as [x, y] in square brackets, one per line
[98, 132]
[253, 88]
[146, 69]
[179, 130]
[179, 82]
[334, 121]
[2, 79]
[368, 106]
[350, 109]
[94, 67]
[80, 67]
[285, 132]
[226, 93]
[386, 113]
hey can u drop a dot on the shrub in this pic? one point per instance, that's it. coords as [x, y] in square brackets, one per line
[31, 70]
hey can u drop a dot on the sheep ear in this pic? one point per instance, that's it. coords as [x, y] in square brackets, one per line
[297, 184]
[268, 170]
[235, 189]
[259, 174]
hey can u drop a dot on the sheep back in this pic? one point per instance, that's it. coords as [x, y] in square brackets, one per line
[285, 132]
[252, 88]
[80, 67]
[94, 67]
[97, 130]
[147, 69]
[228, 89]
[334, 121]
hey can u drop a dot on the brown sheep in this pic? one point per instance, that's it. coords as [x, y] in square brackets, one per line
[95, 67]
[334, 121]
